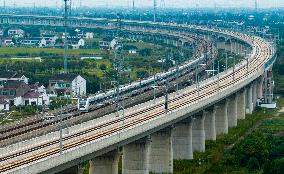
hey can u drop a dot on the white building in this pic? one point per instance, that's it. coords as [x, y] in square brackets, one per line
[4, 105]
[89, 35]
[108, 43]
[8, 43]
[77, 43]
[12, 76]
[1, 32]
[33, 98]
[68, 85]
[16, 32]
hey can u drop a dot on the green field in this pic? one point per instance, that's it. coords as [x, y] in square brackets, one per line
[14, 51]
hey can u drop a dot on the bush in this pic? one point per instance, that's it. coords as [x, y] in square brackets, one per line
[253, 164]
[274, 167]
[254, 146]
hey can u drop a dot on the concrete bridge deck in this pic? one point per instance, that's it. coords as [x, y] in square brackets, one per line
[97, 137]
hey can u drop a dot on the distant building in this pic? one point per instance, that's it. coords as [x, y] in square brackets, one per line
[8, 42]
[68, 85]
[77, 43]
[13, 91]
[12, 76]
[132, 51]
[1, 32]
[89, 35]
[50, 39]
[30, 42]
[43, 93]
[4, 105]
[16, 32]
[108, 43]
[33, 98]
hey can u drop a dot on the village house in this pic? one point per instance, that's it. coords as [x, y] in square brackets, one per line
[13, 92]
[68, 85]
[108, 43]
[1, 32]
[8, 42]
[77, 43]
[4, 105]
[50, 39]
[12, 76]
[16, 33]
[42, 92]
[89, 35]
[34, 42]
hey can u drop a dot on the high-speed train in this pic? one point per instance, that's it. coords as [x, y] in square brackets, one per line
[101, 99]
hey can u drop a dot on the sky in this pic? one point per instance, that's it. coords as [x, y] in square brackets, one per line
[149, 3]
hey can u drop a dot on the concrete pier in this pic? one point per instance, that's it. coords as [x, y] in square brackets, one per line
[161, 152]
[198, 133]
[260, 87]
[135, 158]
[249, 102]
[182, 140]
[105, 164]
[209, 124]
[254, 94]
[222, 118]
[232, 111]
[241, 104]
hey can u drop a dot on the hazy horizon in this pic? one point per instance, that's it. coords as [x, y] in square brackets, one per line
[148, 3]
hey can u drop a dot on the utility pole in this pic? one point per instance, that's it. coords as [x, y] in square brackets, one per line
[65, 36]
[14, 4]
[133, 7]
[163, 4]
[255, 5]
[155, 10]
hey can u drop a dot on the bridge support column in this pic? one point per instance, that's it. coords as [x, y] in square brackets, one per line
[209, 124]
[232, 111]
[249, 103]
[161, 152]
[268, 86]
[198, 133]
[260, 87]
[135, 158]
[222, 118]
[182, 140]
[105, 164]
[254, 94]
[241, 104]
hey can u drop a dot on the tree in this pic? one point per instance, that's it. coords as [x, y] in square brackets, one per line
[59, 41]
[274, 167]
[253, 164]
[145, 52]
[254, 146]
[141, 74]
[103, 67]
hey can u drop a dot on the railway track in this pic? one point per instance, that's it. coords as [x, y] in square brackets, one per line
[115, 126]
[30, 129]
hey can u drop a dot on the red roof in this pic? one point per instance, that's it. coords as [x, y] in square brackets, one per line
[31, 94]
